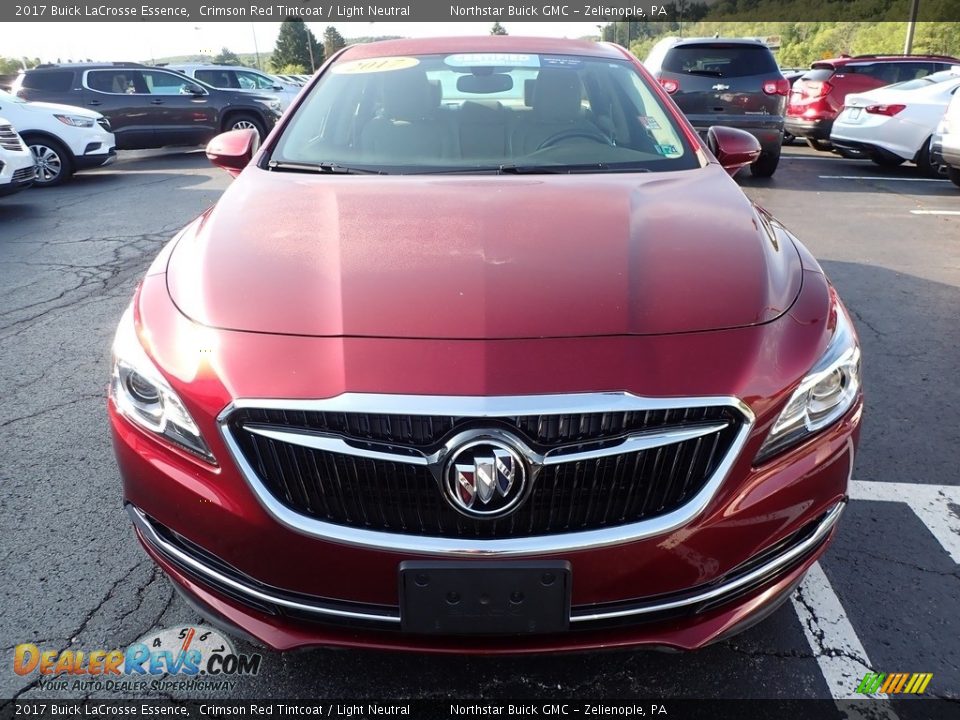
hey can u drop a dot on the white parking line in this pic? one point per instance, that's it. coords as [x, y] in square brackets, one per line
[935, 212]
[878, 177]
[839, 652]
[931, 503]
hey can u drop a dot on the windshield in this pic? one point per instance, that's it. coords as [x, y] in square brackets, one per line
[928, 80]
[491, 111]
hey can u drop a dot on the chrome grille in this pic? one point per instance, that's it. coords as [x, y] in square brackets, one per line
[9, 140]
[398, 497]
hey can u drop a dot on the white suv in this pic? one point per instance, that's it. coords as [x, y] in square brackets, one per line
[17, 168]
[63, 138]
[235, 77]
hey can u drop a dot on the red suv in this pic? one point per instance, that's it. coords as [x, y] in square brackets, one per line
[818, 97]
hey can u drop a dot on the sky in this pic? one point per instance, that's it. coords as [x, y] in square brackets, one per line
[135, 41]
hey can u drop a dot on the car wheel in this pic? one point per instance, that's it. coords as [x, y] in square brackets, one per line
[245, 121]
[818, 144]
[54, 164]
[925, 162]
[954, 175]
[766, 164]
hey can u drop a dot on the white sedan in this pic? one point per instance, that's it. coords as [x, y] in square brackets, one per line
[894, 124]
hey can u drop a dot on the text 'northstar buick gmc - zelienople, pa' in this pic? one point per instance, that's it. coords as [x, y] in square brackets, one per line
[484, 350]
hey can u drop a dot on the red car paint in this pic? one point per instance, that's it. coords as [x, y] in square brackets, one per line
[663, 285]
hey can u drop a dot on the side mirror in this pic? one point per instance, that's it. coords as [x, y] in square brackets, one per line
[232, 151]
[733, 148]
[277, 88]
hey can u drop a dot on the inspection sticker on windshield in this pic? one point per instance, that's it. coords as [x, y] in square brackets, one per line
[492, 59]
[667, 149]
[649, 122]
[374, 65]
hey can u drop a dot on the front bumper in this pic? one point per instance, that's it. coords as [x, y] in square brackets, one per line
[98, 158]
[620, 595]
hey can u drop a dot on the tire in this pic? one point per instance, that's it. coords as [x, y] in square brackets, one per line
[766, 164]
[819, 145]
[925, 164]
[954, 175]
[54, 162]
[243, 121]
[885, 161]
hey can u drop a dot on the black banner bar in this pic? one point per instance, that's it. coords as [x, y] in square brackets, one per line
[602, 11]
[553, 708]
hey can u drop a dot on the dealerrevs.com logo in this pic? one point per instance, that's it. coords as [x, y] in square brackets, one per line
[185, 658]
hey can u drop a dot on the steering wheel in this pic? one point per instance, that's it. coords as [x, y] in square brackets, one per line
[584, 133]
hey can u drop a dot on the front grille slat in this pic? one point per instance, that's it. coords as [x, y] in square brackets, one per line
[565, 497]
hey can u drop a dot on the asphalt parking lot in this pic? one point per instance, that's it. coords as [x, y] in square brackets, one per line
[886, 597]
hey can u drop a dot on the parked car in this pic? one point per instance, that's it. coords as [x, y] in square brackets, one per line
[233, 77]
[63, 138]
[895, 124]
[947, 140]
[17, 166]
[726, 81]
[819, 96]
[147, 106]
[791, 75]
[290, 79]
[442, 372]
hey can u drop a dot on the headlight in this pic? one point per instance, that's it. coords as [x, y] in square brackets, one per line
[145, 398]
[75, 120]
[823, 396]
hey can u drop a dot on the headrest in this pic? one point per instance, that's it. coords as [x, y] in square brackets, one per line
[556, 95]
[408, 95]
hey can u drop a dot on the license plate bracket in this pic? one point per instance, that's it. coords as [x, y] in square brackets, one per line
[484, 597]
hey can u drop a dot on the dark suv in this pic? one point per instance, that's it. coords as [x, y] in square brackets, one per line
[726, 81]
[819, 95]
[148, 106]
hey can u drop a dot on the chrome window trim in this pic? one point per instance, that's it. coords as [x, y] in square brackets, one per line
[488, 406]
[772, 567]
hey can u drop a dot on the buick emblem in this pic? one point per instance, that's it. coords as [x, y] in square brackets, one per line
[485, 478]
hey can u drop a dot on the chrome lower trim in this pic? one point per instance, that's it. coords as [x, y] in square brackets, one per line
[754, 576]
[174, 553]
[769, 569]
[495, 406]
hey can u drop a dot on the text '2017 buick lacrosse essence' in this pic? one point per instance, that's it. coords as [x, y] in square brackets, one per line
[484, 350]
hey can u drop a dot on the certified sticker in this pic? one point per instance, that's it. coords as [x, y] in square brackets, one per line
[492, 59]
[374, 65]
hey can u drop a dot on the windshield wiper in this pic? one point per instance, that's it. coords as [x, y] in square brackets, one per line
[511, 169]
[324, 168]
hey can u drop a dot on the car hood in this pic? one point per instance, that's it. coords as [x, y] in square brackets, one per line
[49, 108]
[482, 257]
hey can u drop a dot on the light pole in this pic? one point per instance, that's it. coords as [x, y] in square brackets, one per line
[911, 24]
[256, 50]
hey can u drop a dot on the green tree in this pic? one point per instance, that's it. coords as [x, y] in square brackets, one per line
[227, 57]
[297, 45]
[10, 66]
[332, 41]
[498, 29]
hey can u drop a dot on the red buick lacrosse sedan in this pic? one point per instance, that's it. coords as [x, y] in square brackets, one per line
[484, 350]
